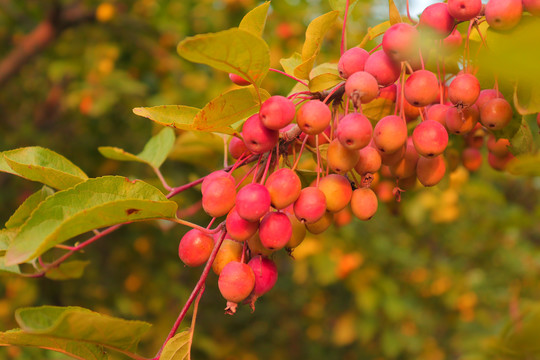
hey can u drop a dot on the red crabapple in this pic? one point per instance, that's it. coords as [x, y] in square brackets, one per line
[229, 250]
[430, 138]
[385, 71]
[236, 281]
[430, 171]
[253, 202]
[275, 230]
[463, 10]
[277, 112]
[461, 121]
[238, 228]
[498, 147]
[496, 114]
[354, 131]
[310, 205]
[195, 248]
[436, 19]
[257, 137]
[337, 190]
[284, 187]
[485, 96]
[400, 42]
[471, 159]
[351, 61]
[298, 231]
[238, 80]
[313, 117]
[369, 161]
[503, 14]
[390, 134]
[364, 203]
[340, 159]
[237, 147]
[361, 87]
[218, 196]
[499, 163]
[532, 6]
[437, 112]
[464, 90]
[406, 167]
[266, 274]
[421, 88]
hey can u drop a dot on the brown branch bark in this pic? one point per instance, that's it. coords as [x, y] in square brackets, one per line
[41, 37]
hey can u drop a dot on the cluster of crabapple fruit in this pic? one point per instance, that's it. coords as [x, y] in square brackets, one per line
[357, 161]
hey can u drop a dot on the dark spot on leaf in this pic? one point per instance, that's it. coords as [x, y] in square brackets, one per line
[132, 211]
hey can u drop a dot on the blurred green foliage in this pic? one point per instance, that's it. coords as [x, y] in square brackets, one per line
[437, 276]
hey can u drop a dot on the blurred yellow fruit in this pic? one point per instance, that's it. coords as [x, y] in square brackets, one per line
[105, 12]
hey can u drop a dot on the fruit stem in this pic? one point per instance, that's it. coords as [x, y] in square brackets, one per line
[318, 159]
[333, 91]
[256, 169]
[374, 49]
[268, 161]
[290, 76]
[344, 29]
[409, 14]
[300, 153]
[198, 288]
[161, 178]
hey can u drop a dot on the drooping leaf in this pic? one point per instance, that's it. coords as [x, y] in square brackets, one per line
[198, 148]
[154, 153]
[315, 33]
[522, 142]
[290, 63]
[255, 20]
[68, 270]
[176, 116]
[340, 5]
[178, 347]
[324, 82]
[393, 13]
[234, 51]
[527, 98]
[92, 204]
[23, 212]
[525, 165]
[81, 325]
[324, 68]
[43, 165]
[75, 349]
[228, 108]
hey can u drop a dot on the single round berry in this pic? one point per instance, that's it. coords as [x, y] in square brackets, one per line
[313, 117]
[361, 87]
[385, 71]
[229, 250]
[388, 93]
[236, 281]
[496, 114]
[284, 187]
[436, 20]
[471, 158]
[238, 228]
[532, 6]
[499, 163]
[364, 203]
[390, 134]
[275, 230]
[253, 202]
[430, 138]
[340, 159]
[406, 167]
[452, 42]
[369, 161]
[321, 225]
[464, 90]
[461, 121]
[503, 14]
[421, 88]
[257, 137]
[485, 96]
[430, 171]
[400, 42]
[298, 231]
[464, 10]
[237, 148]
[266, 274]
[437, 113]
[351, 61]
[195, 248]
[498, 147]
[277, 112]
[310, 205]
[354, 131]
[337, 190]
[218, 196]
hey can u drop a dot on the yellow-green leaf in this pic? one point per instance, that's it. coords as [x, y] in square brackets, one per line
[68, 270]
[178, 347]
[234, 51]
[176, 116]
[154, 153]
[43, 165]
[23, 212]
[340, 5]
[315, 33]
[393, 13]
[290, 63]
[324, 82]
[324, 68]
[525, 165]
[255, 20]
[374, 32]
[377, 109]
[228, 108]
[93, 204]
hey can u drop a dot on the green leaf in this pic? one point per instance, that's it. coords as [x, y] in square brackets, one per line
[393, 13]
[324, 68]
[92, 204]
[340, 5]
[312, 46]
[176, 116]
[43, 165]
[522, 142]
[527, 98]
[75, 349]
[228, 108]
[6, 237]
[324, 82]
[290, 63]
[81, 325]
[255, 20]
[23, 212]
[178, 347]
[68, 270]
[154, 153]
[11, 269]
[234, 51]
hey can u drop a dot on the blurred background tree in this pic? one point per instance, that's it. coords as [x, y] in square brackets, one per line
[434, 277]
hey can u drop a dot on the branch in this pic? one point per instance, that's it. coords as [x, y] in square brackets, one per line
[41, 37]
